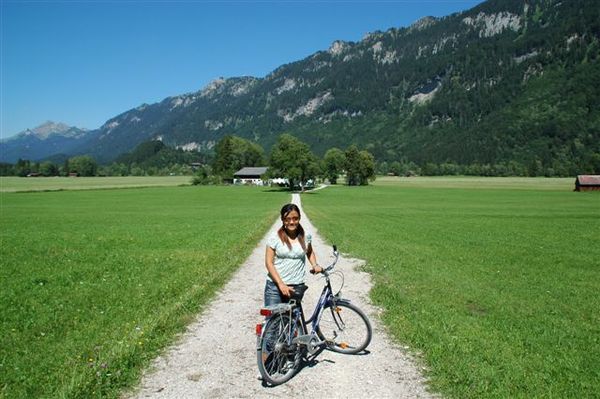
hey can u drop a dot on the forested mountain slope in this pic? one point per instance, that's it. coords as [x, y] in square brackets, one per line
[508, 82]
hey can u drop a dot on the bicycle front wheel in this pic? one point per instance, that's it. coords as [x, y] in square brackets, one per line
[279, 359]
[345, 328]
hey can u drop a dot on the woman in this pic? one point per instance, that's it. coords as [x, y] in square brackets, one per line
[285, 259]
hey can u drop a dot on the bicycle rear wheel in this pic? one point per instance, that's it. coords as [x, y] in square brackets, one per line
[345, 328]
[279, 359]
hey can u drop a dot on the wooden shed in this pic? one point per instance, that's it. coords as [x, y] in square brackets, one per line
[587, 183]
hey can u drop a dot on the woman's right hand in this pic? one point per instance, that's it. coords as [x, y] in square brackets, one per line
[286, 291]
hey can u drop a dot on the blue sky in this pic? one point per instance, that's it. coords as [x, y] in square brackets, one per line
[83, 62]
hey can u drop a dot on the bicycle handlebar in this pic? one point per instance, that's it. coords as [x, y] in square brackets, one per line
[330, 267]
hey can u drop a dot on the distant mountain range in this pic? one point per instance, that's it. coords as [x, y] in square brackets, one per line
[48, 139]
[507, 81]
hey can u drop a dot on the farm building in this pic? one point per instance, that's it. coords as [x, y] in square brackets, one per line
[587, 183]
[250, 175]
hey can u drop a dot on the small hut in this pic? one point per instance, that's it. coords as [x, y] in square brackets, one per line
[587, 183]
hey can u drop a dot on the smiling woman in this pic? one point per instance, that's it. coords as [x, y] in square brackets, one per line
[285, 258]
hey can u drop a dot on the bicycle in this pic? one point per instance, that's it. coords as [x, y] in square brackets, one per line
[282, 340]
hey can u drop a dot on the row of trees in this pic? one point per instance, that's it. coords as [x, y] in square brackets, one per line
[82, 165]
[532, 168]
[291, 159]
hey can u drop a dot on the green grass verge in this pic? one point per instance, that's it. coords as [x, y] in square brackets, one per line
[95, 283]
[24, 184]
[493, 284]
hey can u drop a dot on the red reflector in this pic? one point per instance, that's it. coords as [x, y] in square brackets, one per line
[266, 312]
[258, 329]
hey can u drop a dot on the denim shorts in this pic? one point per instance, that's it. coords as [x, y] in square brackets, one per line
[273, 296]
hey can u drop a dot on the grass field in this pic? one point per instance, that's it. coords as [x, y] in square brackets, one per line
[473, 182]
[493, 283]
[95, 282]
[24, 184]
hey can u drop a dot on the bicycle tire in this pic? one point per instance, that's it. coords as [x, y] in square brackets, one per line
[345, 328]
[278, 361]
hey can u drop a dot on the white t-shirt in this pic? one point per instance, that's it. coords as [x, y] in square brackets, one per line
[290, 264]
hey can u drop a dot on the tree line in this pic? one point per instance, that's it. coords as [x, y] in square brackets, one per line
[289, 157]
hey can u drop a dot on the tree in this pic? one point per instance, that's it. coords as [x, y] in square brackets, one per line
[333, 164]
[367, 167]
[7, 169]
[48, 168]
[83, 165]
[360, 166]
[23, 167]
[234, 153]
[293, 160]
[396, 168]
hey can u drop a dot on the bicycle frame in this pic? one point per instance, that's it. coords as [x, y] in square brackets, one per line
[326, 299]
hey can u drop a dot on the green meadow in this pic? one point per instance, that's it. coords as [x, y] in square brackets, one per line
[23, 184]
[491, 283]
[96, 282]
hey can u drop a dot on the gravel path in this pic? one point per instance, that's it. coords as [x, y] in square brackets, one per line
[216, 356]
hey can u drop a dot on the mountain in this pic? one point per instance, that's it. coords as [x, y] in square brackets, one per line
[507, 83]
[48, 139]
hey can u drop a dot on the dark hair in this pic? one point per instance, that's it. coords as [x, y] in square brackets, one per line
[285, 210]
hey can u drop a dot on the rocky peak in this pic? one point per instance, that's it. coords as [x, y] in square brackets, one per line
[338, 47]
[423, 23]
[49, 128]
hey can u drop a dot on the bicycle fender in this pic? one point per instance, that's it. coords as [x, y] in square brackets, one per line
[341, 300]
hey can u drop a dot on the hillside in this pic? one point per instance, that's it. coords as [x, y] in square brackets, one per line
[504, 83]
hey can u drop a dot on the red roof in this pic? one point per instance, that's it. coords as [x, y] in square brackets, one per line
[589, 180]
